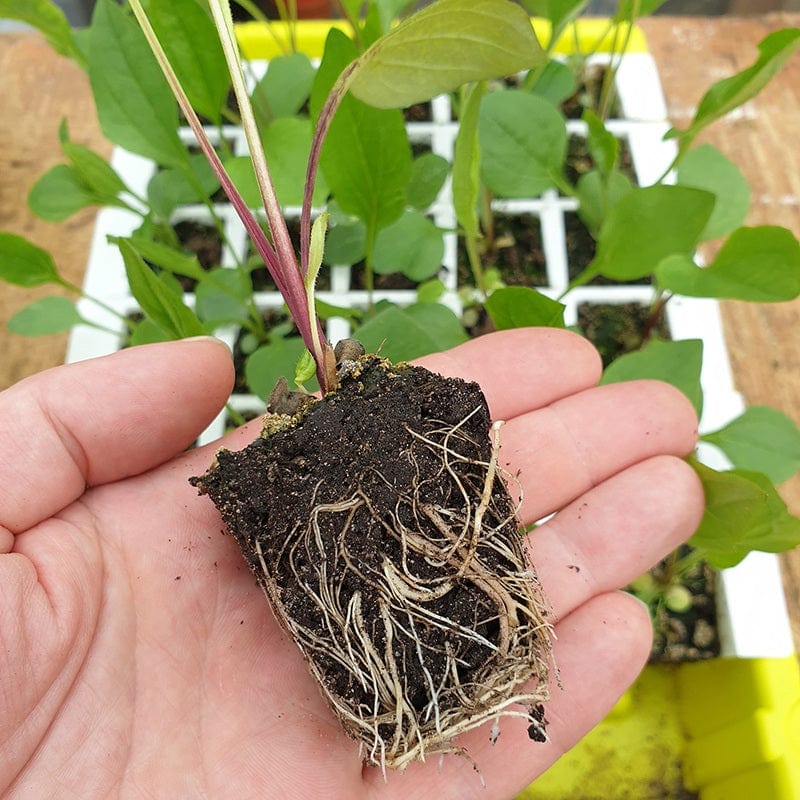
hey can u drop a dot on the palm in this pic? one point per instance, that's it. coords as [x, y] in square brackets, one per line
[146, 661]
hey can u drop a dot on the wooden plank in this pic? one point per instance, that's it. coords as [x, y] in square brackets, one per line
[39, 89]
[761, 138]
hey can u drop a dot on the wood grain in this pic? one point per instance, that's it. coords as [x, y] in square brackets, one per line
[763, 340]
[39, 89]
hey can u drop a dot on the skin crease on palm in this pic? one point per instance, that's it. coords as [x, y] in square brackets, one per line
[138, 659]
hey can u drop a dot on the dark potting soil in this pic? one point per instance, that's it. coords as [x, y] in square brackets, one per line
[691, 635]
[515, 249]
[419, 112]
[390, 551]
[588, 94]
[580, 161]
[202, 241]
[617, 328]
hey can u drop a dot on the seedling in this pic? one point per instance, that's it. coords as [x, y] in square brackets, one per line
[376, 518]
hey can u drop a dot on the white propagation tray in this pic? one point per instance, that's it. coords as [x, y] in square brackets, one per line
[753, 619]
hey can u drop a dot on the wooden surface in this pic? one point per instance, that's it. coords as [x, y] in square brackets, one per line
[39, 88]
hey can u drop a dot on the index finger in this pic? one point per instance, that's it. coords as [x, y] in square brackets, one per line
[522, 369]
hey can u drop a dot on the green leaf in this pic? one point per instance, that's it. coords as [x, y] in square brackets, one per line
[223, 296]
[760, 264]
[92, 169]
[466, 162]
[165, 257]
[44, 317]
[597, 195]
[50, 21]
[430, 291]
[160, 303]
[170, 188]
[287, 144]
[428, 174]
[134, 103]
[192, 45]
[59, 194]
[521, 306]
[706, 168]
[730, 93]
[523, 143]
[647, 225]
[147, 332]
[677, 363]
[631, 10]
[557, 12]
[240, 171]
[366, 158]
[305, 369]
[404, 334]
[22, 263]
[272, 361]
[285, 87]
[443, 46]
[762, 439]
[413, 246]
[555, 83]
[603, 145]
[346, 243]
[743, 513]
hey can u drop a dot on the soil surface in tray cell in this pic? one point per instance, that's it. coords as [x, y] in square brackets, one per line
[617, 328]
[580, 161]
[201, 240]
[588, 94]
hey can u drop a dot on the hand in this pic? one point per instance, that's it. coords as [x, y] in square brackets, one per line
[139, 659]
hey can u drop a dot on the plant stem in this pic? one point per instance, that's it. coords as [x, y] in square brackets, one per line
[476, 265]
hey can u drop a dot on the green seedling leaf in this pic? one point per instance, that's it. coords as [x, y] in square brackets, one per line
[558, 12]
[135, 106]
[287, 144]
[366, 157]
[240, 171]
[403, 334]
[631, 10]
[346, 243]
[170, 188]
[762, 439]
[430, 291]
[521, 306]
[603, 145]
[285, 87]
[706, 168]
[328, 310]
[678, 363]
[428, 174]
[190, 41]
[159, 302]
[45, 317]
[759, 264]
[413, 246]
[555, 83]
[305, 369]
[166, 257]
[520, 157]
[466, 162]
[92, 169]
[597, 194]
[277, 359]
[730, 93]
[50, 20]
[743, 513]
[147, 332]
[223, 297]
[24, 264]
[59, 194]
[442, 47]
[647, 225]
